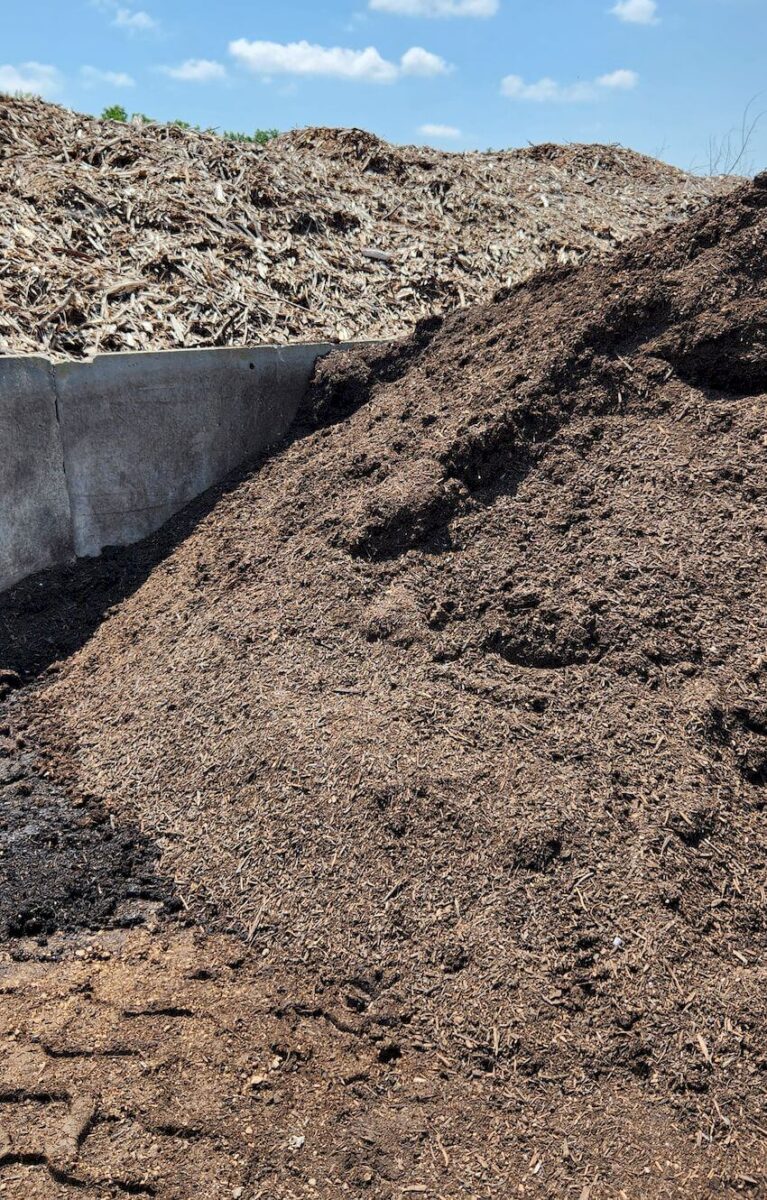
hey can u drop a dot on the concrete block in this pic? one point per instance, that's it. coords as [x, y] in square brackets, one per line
[145, 433]
[35, 522]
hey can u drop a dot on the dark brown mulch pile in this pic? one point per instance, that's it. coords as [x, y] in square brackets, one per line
[466, 691]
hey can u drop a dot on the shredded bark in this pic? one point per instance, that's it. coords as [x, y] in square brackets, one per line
[147, 237]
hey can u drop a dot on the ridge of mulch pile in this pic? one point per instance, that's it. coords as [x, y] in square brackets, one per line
[458, 706]
[146, 237]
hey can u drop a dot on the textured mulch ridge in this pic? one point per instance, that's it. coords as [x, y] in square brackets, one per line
[463, 697]
[146, 237]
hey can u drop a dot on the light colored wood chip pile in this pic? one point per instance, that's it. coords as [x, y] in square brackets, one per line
[124, 237]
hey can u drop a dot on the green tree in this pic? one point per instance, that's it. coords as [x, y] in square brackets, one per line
[260, 137]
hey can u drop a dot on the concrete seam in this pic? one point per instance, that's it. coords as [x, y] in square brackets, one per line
[55, 388]
[57, 411]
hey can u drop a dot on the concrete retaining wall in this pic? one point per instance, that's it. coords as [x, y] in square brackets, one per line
[103, 452]
[35, 524]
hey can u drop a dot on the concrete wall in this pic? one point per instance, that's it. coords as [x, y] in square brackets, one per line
[103, 452]
[35, 525]
[145, 433]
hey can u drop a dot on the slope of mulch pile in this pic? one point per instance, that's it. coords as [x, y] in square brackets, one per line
[144, 237]
[457, 711]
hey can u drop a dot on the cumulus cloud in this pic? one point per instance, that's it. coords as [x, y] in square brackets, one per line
[92, 77]
[637, 12]
[437, 8]
[547, 90]
[440, 131]
[418, 61]
[196, 70]
[39, 78]
[134, 20]
[304, 58]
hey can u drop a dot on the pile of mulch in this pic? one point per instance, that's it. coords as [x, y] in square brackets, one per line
[145, 237]
[457, 710]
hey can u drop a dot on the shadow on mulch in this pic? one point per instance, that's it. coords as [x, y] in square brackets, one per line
[66, 864]
[50, 615]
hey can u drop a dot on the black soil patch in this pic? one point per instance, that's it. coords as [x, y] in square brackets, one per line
[65, 864]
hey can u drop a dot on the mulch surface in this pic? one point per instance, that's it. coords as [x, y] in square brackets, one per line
[122, 236]
[455, 714]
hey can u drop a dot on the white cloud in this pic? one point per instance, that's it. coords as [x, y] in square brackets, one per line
[637, 12]
[622, 80]
[440, 131]
[92, 77]
[303, 58]
[39, 78]
[515, 87]
[418, 61]
[134, 21]
[196, 70]
[437, 8]
[547, 90]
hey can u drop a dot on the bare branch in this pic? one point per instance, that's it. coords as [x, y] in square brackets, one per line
[728, 153]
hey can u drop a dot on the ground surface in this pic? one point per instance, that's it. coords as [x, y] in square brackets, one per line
[440, 745]
[176, 1065]
[126, 237]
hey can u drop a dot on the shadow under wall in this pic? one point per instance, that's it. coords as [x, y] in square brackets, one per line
[50, 615]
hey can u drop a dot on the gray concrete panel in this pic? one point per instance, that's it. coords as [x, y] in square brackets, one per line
[35, 527]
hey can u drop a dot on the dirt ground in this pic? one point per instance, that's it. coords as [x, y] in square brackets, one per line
[172, 1064]
[438, 744]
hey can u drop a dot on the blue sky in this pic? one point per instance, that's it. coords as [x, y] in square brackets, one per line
[662, 76]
